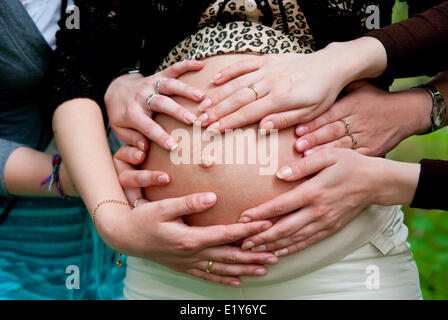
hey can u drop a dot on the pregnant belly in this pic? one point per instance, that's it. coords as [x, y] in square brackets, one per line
[239, 167]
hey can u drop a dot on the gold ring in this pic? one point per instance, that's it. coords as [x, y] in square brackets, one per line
[148, 100]
[354, 141]
[346, 125]
[209, 266]
[252, 86]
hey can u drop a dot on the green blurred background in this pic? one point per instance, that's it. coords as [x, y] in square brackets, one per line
[428, 230]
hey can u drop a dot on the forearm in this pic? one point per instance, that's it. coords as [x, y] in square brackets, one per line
[82, 142]
[26, 168]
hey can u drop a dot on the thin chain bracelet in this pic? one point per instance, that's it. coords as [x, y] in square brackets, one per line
[124, 203]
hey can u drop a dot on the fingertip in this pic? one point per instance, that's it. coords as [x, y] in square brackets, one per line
[309, 152]
[207, 199]
[163, 178]
[302, 145]
[301, 130]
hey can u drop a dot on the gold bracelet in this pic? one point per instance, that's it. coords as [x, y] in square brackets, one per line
[124, 203]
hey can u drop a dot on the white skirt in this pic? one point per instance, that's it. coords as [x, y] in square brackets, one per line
[383, 268]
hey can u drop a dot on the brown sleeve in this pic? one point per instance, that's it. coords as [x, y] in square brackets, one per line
[418, 45]
[431, 190]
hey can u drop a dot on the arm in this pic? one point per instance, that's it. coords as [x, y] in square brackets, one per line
[26, 168]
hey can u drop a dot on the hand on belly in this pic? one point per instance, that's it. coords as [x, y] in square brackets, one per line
[242, 176]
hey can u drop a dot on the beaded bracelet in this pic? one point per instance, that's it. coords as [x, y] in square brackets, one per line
[54, 176]
[124, 203]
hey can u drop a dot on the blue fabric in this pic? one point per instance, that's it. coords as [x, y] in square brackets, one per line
[40, 239]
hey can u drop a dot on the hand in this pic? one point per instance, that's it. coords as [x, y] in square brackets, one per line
[378, 120]
[126, 160]
[130, 116]
[346, 183]
[156, 231]
[299, 87]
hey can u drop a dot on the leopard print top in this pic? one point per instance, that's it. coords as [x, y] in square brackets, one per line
[288, 32]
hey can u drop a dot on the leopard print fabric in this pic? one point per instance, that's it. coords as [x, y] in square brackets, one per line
[248, 34]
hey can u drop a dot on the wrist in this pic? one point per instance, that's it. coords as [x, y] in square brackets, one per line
[363, 58]
[419, 103]
[398, 182]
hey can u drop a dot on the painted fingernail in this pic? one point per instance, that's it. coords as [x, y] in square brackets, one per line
[171, 144]
[213, 127]
[141, 145]
[302, 144]
[301, 130]
[259, 248]
[268, 125]
[207, 199]
[247, 245]
[205, 104]
[203, 117]
[235, 283]
[245, 219]
[260, 272]
[284, 173]
[138, 154]
[189, 117]
[281, 252]
[199, 94]
[216, 77]
[308, 152]
[163, 178]
[271, 260]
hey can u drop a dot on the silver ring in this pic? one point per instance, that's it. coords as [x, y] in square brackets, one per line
[158, 84]
[148, 100]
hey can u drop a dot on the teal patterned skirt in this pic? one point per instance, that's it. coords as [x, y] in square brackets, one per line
[49, 250]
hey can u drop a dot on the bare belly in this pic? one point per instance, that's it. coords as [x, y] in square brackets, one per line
[239, 185]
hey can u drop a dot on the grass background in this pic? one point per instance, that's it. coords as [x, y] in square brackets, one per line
[428, 230]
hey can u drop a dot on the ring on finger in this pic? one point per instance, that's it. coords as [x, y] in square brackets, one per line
[354, 141]
[148, 100]
[209, 266]
[252, 87]
[158, 84]
[346, 126]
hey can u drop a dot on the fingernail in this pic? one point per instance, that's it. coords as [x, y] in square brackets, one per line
[199, 94]
[268, 125]
[308, 152]
[171, 144]
[247, 245]
[259, 248]
[260, 272]
[190, 117]
[138, 154]
[163, 178]
[266, 226]
[271, 260]
[141, 145]
[235, 283]
[245, 219]
[281, 252]
[213, 127]
[301, 130]
[302, 144]
[203, 117]
[284, 173]
[216, 77]
[205, 104]
[207, 199]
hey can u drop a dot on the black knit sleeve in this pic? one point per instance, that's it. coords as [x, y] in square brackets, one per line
[87, 58]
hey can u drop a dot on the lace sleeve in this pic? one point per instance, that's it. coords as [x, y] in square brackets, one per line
[88, 57]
